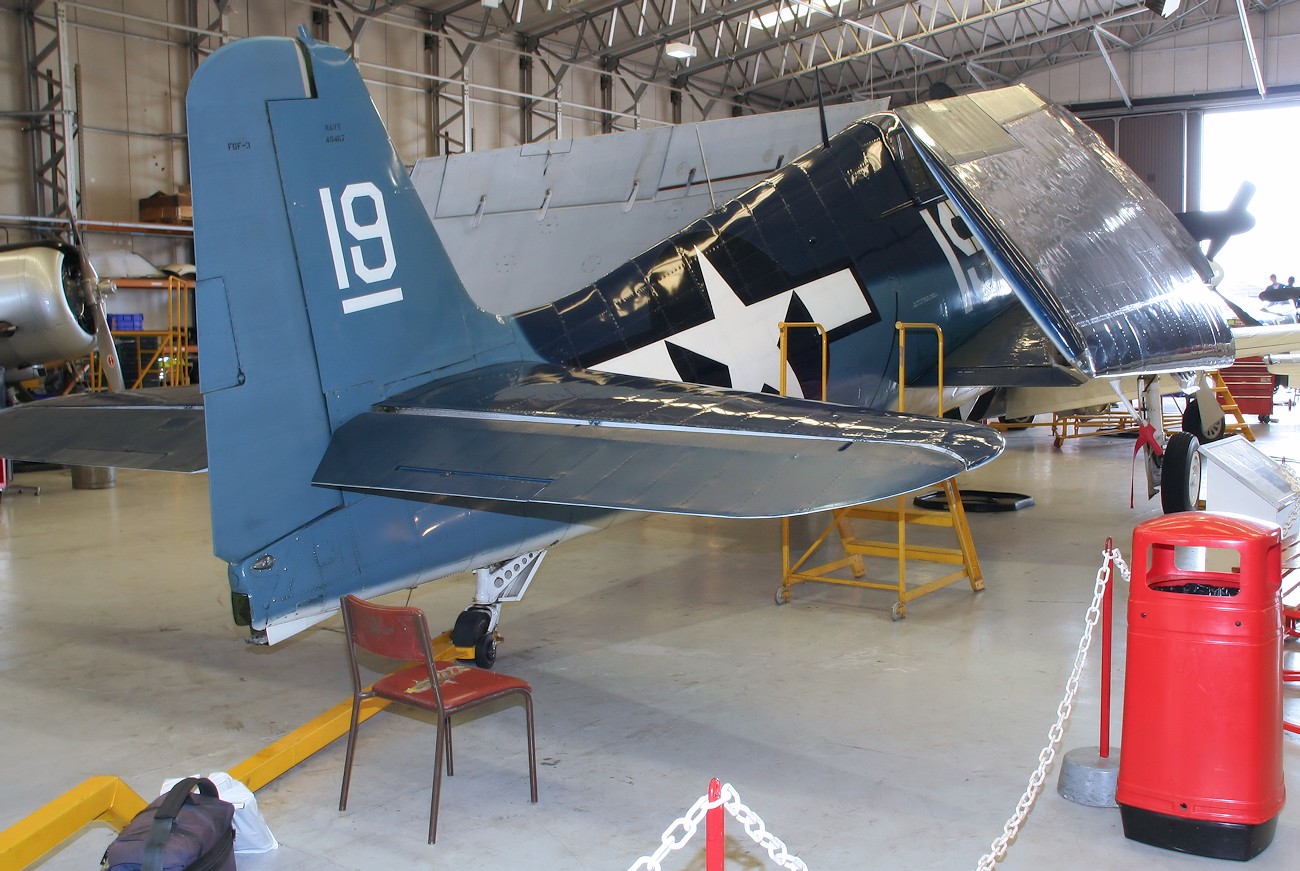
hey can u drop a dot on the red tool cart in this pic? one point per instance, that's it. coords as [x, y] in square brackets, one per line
[1252, 386]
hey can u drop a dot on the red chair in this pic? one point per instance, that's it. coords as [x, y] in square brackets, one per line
[402, 633]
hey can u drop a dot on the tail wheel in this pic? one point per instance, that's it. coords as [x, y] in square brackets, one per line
[1180, 474]
[485, 651]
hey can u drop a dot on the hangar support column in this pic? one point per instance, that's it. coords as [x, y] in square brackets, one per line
[205, 41]
[449, 101]
[52, 100]
[540, 114]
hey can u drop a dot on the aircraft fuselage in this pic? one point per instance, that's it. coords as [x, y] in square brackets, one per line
[848, 238]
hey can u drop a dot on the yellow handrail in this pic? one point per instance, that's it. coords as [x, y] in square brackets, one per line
[903, 327]
[785, 327]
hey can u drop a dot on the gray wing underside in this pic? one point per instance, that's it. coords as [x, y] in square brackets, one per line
[617, 194]
[540, 433]
[158, 430]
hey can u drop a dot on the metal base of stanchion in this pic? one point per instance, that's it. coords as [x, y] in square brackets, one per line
[1088, 779]
[93, 477]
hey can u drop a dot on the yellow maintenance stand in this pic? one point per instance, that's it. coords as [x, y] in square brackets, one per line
[798, 571]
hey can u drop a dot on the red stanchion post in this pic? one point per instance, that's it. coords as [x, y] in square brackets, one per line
[1107, 602]
[1088, 774]
[714, 845]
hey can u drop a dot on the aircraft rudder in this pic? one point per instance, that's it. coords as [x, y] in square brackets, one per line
[262, 396]
[322, 289]
[385, 302]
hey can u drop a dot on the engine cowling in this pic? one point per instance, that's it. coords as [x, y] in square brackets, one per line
[43, 317]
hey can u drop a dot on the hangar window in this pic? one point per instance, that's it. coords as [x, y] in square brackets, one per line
[1259, 146]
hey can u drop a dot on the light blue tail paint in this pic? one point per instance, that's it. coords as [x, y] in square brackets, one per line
[322, 290]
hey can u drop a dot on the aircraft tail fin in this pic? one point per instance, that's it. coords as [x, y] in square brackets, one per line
[322, 288]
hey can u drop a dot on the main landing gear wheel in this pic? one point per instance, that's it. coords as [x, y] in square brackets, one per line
[1193, 424]
[472, 630]
[1180, 474]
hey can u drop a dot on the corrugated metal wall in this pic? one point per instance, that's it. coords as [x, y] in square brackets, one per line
[1162, 148]
[1154, 146]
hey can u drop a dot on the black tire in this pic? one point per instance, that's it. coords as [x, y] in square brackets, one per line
[1180, 474]
[1016, 422]
[471, 626]
[485, 651]
[1193, 424]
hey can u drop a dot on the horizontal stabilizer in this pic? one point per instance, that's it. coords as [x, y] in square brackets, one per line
[541, 433]
[159, 429]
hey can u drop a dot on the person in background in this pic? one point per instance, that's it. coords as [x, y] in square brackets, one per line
[1285, 295]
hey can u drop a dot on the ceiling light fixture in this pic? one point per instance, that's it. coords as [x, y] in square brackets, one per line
[680, 50]
[1163, 8]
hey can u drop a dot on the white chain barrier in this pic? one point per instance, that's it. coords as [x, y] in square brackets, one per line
[999, 848]
[1293, 481]
[728, 799]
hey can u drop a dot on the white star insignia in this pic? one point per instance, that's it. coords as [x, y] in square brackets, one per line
[745, 338]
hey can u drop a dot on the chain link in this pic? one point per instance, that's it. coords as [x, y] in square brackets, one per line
[758, 832]
[668, 842]
[999, 847]
[776, 849]
[1293, 481]
[729, 800]
[1117, 559]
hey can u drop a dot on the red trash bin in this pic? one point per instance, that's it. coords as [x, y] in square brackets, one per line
[1201, 768]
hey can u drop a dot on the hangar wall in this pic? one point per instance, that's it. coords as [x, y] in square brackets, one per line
[134, 61]
[1162, 147]
[1160, 137]
[1208, 61]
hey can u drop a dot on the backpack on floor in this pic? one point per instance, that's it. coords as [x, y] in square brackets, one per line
[179, 831]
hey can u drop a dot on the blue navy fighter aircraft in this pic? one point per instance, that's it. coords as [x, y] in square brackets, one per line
[367, 427]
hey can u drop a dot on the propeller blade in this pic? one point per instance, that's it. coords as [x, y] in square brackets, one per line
[1243, 197]
[108, 360]
[109, 363]
[1218, 227]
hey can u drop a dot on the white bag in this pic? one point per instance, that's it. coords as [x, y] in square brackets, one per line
[252, 834]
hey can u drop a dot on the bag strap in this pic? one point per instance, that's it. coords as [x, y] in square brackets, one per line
[164, 819]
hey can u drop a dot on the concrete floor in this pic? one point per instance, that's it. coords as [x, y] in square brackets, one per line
[658, 660]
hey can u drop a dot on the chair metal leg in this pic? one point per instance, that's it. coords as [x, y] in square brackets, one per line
[347, 759]
[437, 783]
[446, 724]
[532, 747]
